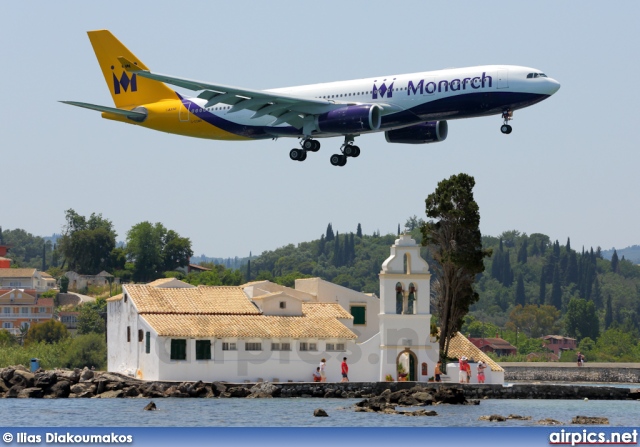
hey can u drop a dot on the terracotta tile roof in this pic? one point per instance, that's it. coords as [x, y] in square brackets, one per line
[45, 302]
[196, 300]
[115, 298]
[247, 326]
[325, 310]
[160, 282]
[17, 273]
[459, 346]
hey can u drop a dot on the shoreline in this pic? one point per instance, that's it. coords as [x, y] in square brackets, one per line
[18, 382]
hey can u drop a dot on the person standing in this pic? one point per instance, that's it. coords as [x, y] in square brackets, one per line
[438, 372]
[316, 375]
[465, 370]
[481, 367]
[345, 370]
[323, 364]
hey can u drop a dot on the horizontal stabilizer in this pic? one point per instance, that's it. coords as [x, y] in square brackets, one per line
[135, 115]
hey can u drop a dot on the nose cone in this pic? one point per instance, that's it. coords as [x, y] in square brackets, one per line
[552, 86]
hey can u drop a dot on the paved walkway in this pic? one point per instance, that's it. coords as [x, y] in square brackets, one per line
[568, 365]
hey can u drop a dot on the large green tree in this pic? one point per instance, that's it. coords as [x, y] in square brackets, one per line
[50, 331]
[88, 244]
[154, 250]
[453, 238]
[581, 319]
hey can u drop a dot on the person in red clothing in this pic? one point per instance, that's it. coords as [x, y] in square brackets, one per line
[345, 370]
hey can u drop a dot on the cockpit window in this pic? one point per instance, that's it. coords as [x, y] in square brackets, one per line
[536, 75]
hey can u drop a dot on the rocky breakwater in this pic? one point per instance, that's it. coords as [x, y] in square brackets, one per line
[388, 402]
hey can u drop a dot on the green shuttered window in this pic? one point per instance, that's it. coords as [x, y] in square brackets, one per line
[203, 350]
[359, 314]
[178, 349]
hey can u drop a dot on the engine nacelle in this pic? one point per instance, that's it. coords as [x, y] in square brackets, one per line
[350, 119]
[429, 132]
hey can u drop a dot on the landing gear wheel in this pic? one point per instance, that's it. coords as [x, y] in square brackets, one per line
[350, 150]
[356, 151]
[338, 160]
[316, 146]
[505, 129]
[297, 154]
[308, 144]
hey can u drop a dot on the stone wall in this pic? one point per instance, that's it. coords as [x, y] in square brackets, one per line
[567, 372]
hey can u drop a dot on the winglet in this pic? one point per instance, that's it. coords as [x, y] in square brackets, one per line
[128, 65]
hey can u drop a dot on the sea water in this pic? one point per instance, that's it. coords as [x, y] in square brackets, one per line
[295, 412]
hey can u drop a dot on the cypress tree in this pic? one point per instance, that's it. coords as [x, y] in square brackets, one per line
[597, 294]
[608, 313]
[322, 245]
[542, 297]
[614, 261]
[330, 235]
[568, 244]
[44, 257]
[522, 253]
[520, 294]
[398, 229]
[507, 273]
[556, 290]
[249, 270]
[359, 231]
[572, 268]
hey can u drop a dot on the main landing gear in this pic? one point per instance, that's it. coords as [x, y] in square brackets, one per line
[307, 145]
[507, 116]
[348, 149]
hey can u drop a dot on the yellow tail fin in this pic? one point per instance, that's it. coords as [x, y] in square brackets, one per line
[127, 89]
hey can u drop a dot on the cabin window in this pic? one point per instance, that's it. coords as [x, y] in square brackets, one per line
[203, 349]
[283, 304]
[178, 349]
[140, 335]
[129, 333]
[147, 347]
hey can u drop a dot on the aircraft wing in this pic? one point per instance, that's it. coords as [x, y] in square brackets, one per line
[282, 107]
[135, 115]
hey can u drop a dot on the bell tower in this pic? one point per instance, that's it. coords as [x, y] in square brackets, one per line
[405, 316]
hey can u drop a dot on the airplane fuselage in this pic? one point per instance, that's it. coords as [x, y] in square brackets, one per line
[406, 100]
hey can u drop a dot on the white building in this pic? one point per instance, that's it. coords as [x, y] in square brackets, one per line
[170, 330]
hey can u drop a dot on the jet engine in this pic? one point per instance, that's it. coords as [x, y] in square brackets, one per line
[429, 132]
[350, 119]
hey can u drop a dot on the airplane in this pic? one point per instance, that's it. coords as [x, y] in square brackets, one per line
[408, 108]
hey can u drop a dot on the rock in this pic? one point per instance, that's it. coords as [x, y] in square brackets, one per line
[409, 401]
[31, 392]
[110, 394]
[450, 396]
[45, 379]
[111, 377]
[518, 417]
[60, 389]
[218, 388]
[71, 376]
[7, 373]
[330, 394]
[112, 386]
[86, 394]
[493, 418]
[265, 389]
[320, 413]
[79, 388]
[588, 420]
[131, 391]
[23, 378]
[86, 375]
[14, 391]
[420, 413]
[423, 397]
[151, 406]
[549, 421]
[238, 391]
[174, 391]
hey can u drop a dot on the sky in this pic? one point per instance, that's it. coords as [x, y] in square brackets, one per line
[569, 169]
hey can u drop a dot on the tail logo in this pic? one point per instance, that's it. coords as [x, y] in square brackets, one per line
[124, 82]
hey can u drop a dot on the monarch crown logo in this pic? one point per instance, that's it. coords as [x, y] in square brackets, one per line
[124, 82]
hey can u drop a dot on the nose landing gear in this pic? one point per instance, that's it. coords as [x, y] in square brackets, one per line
[507, 116]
